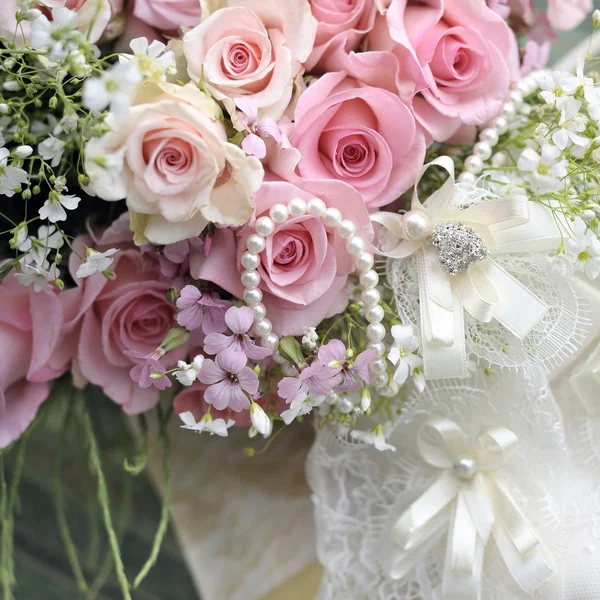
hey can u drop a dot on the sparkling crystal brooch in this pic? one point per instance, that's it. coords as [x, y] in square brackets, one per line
[458, 246]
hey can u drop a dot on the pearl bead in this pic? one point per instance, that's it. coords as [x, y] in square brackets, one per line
[377, 347]
[332, 398]
[278, 358]
[250, 279]
[250, 260]
[501, 125]
[263, 327]
[588, 215]
[369, 279]
[345, 406]
[255, 243]
[378, 366]
[264, 226]
[270, 341]
[499, 159]
[346, 229]
[464, 468]
[509, 109]
[375, 332]
[482, 150]
[490, 136]
[297, 207]
[370, 297]
[380, 380]
[355, 246]
[279, 213]
[365, 261]
[252, 297]
[416, 225]
[332, 217]
[374, 314]
[260, 311]
[516, 98]
[466, 177]
[474, 165]
[316, 207]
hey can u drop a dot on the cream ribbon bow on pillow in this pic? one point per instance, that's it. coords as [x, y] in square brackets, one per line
[453, 247]
[470, 504]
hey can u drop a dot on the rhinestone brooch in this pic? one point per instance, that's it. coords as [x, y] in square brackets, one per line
[458, 246]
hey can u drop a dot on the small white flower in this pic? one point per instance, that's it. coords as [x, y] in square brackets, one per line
[310, 338]
[51, 149]
[37, 249]
[60, 184]
[95, 262]
[561, 263]
[260, 420]
[207, 423]
[555, 86]
[69, 122]
[301, 406]
[584, 250]
[112, 88]
[57, 37]
[365, 399]
[401, 353]
[187, 374]
[151, 60]
[38, 276]
[571, 125]
[544, 172]
[419, 380]
[11, 178]
[23, 151]
[377, 437]
[54, 208]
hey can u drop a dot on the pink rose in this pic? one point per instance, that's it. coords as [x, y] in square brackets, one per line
[168, 15]
[568, 14]
[364, 136]
[342, 27]
[305, 265]
[107, 318]
[97, 13]
[170, 158]
[459, 57]
[253, 49]
[30, 329]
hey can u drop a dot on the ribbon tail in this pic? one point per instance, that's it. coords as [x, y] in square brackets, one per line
[518, 309]
[477, 294]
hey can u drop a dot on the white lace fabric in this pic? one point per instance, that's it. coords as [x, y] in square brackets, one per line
[360, 492]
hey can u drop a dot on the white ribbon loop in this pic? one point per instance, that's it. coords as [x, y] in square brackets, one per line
[471, 505]
[485, 291]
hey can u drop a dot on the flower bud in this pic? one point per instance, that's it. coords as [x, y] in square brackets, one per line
[596, 19]
[23, 152]
[60, 284]
[260, 419]
[4, 108]
[32, 14]
[36, 190]
[11, 85]
[53, 102]
[26, 194]
[365, 399]
[156, 375]
[83, 180]
[172, 295]
[177, 336]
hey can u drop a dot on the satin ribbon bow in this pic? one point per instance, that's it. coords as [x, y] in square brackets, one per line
[585, 382]
[470, 505]
[486, 291]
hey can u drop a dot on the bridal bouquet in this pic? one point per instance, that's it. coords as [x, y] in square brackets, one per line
[240, 212]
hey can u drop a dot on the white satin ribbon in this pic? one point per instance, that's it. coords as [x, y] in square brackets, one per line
[469, 509]
[486, 291]
[585, 382]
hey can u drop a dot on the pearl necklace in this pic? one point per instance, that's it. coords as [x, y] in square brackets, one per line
[332, 218]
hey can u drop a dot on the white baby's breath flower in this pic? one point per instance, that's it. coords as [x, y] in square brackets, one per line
[95, 262]
[543, 171]
[187, 374]
[377, 437]
[69, 122]
[583, 250]
[23, 152]
[11, 178]
[54, 208]
[555, 86]
[571, 125]
[152, 61]
[310, 338]
[401, 354]
[260, 420]
[57, 37]
[113, 88]
[38, 248]
[38, 276]
[207, 423]
[51, 149]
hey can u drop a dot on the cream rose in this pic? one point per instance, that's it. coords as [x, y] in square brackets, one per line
[170, 159]
[252, 48]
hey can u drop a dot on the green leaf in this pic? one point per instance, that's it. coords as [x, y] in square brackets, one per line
[290, 348]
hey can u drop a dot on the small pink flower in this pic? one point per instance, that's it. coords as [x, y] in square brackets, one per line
[201, 309]
[333, 356]
[142, 373]
[239, 321]
[230, 381]
[253, 143]
[316, 380]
